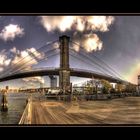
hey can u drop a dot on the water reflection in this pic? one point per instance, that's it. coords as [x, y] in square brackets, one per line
[16, 105]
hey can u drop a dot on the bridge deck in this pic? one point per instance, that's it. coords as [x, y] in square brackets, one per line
[73, 72]
[117, 111]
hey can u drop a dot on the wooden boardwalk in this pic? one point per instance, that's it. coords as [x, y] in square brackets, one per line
[118, 111]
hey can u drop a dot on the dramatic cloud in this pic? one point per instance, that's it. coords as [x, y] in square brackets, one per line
[26, 58]
[78, 23]
[83, 27]
[62, 23]
[90, 42]
[4, 60]
[99, 23]
[11, 31]
[19, 60]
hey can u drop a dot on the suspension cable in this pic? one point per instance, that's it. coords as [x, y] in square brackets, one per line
[50, 55]
[76, 56]
[22, 59]
[100, 66]
[29, 61]
[114, 72]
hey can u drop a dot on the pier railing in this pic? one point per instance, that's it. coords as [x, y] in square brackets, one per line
[26, 116]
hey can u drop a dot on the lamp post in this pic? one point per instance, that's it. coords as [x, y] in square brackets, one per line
[96, 84]
[92, 83]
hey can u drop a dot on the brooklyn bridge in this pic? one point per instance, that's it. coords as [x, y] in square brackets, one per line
[44, 111]
[103, 70]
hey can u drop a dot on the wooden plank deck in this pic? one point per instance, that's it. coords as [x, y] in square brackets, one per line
[117, 111]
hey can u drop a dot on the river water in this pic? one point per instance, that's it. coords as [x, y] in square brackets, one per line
[16, 106]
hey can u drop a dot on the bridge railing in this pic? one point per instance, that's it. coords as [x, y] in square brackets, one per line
[27, 114]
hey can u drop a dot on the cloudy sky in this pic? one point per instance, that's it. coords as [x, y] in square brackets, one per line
[113, 39]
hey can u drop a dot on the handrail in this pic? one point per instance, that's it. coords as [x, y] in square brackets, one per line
[26, 116]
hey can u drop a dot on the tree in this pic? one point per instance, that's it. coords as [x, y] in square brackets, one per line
[120, 87]
[106, 86]
[130, 88]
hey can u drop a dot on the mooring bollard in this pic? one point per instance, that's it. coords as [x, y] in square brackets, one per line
[4, 103]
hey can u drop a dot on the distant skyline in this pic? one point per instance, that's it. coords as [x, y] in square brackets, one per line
[114, 39]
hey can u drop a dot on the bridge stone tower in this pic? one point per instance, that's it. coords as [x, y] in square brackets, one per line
[64, 73]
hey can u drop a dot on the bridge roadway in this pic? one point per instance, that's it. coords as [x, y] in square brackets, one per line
[55, 71]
